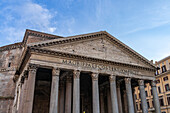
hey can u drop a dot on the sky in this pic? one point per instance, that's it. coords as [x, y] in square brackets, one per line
[143, 25]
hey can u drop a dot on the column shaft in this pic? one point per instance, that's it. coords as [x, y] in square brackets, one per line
[134, 101]
[102, 110]
[143, 96]
[54, 91]
[114, 103]
[109, 107]
[95, 91]
[129, 95]
[28, 108]
[21, 102]
[68, 95]
[155, 97]
[125, 102]
[76, 92]
[61, 97]
[119, 98]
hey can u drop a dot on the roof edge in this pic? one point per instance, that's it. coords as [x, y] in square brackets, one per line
[11, 46]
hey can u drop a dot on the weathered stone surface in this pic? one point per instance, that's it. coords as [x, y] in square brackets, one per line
[97, 48]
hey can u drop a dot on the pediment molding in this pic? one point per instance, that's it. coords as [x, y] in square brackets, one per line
[103, 34]
[38, 34]
[11, 46]
[80, 57]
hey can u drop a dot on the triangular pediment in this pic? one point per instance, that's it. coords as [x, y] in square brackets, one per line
[100, 47]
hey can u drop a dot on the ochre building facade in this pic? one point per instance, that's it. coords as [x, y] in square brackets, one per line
[89, 73]
[163, 88]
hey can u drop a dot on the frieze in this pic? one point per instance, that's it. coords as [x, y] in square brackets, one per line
[100, 67]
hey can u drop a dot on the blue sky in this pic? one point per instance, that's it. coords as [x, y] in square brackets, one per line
[144, 25]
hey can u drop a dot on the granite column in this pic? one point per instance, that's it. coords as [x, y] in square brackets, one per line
[76, 91]
[95, 93]
[129, 95]
[155, 97]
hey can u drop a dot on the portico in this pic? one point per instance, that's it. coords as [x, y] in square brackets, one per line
[92, 73]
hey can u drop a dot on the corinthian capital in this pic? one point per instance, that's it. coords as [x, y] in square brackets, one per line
[153, 83]
[33, 67]
[112, 78]
[56, 72]
[141, 82]
[94, 76]
[128, 80]
[76, 73]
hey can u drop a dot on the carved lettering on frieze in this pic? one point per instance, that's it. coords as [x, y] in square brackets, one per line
[99, 67]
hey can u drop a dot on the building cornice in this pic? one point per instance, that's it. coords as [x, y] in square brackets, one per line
[162, 74]
[69, 55]
[162, 60]
[11, 46]
[38, 34]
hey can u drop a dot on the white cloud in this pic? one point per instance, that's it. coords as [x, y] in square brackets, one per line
[28, 15]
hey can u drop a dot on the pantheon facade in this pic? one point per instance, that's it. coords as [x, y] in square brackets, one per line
[89, 73]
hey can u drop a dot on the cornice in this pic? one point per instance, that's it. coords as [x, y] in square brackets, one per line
[162, 74]
[38, 34]
[69, 55]
[11, 46]
[162, 60]
[67, 39]
[93, 35]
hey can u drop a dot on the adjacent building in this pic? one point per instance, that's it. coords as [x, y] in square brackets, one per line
[163, 88]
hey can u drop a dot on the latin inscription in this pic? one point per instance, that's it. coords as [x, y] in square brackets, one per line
[99, 67]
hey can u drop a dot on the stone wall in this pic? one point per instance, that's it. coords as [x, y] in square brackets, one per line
[9, 60]
[10, 56]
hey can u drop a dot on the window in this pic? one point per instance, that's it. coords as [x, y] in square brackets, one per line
[165, 78]
[148, 104]
[167, 87]
[139, 95]
[158, 81]
[168, 99]
[163, 68]
[159, 89]
[152, 103]
[161, 102]
[140, 106]
[137, 106]
[157, 72]
[151, 92]
[135, 96]
[146, 93]
[9, 65]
